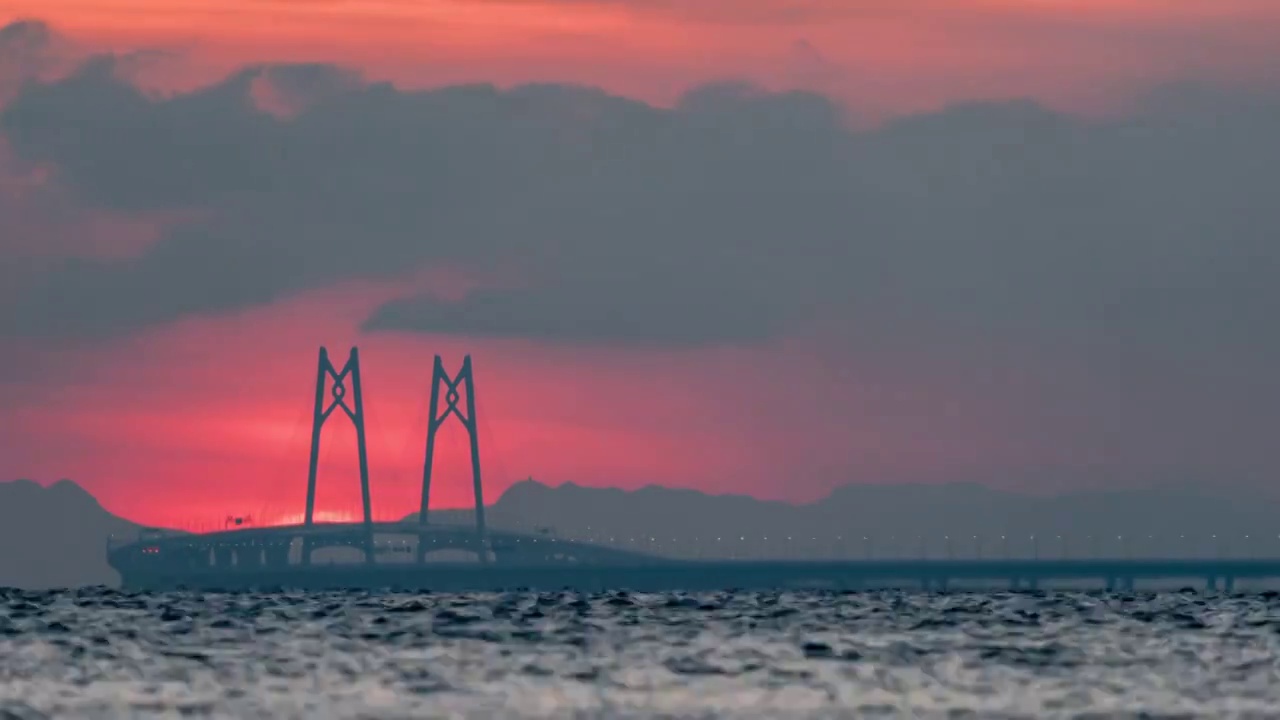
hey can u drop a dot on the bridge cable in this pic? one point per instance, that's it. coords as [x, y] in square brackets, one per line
[289, 450]
[489, 440]
[396, 465]
[420, 419]
[326, 458]
[373, 429]
[460, 452]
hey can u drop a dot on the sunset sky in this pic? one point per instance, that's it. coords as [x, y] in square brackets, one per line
[757, 246]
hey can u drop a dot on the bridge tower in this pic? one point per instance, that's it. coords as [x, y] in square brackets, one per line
[464, 380]
[324, 407]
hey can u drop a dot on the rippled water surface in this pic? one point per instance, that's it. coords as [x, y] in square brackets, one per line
[108, 654]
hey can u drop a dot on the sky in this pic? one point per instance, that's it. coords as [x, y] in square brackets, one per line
[763, 246]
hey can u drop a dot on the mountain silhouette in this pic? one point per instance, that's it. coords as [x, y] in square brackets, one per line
[906, 520]
[56, 536]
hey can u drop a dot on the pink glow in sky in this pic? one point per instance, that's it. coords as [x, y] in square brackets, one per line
[993, 293]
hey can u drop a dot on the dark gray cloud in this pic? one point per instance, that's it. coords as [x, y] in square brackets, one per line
[738, 216]
[580, 313]
[29, 50]
[25, 46]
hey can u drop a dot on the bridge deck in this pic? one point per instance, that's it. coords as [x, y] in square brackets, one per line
[517, 560]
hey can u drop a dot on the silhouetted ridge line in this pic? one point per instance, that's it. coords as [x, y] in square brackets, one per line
[55, 536]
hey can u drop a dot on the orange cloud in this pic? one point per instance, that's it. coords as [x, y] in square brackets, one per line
[886, 54]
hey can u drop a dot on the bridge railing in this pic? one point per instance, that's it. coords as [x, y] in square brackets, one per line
[722, 543]
[961, 546]
[115, 541]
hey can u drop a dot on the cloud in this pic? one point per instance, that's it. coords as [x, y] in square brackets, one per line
[592, 313]
[739, 216]
[725, 12]
[1092, 16]
[30, 50]
[287, 90]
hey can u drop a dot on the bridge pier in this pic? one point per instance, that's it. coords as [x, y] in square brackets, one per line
[1211, 583]
[1229, 584]
[223, 556]
[252, 556]
[276, 556]
[191, 558]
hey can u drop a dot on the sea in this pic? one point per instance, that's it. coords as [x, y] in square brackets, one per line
[101, 653]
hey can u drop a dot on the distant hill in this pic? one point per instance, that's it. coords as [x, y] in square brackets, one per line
[898, 521]
[55, 536]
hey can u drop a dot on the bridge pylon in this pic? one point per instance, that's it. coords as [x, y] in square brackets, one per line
[456, 387]
[354, 411]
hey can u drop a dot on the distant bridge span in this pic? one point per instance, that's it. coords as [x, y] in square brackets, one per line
[412, 555]
[267, 558]
[258, 550]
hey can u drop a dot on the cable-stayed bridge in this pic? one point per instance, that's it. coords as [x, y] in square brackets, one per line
[418, 554]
